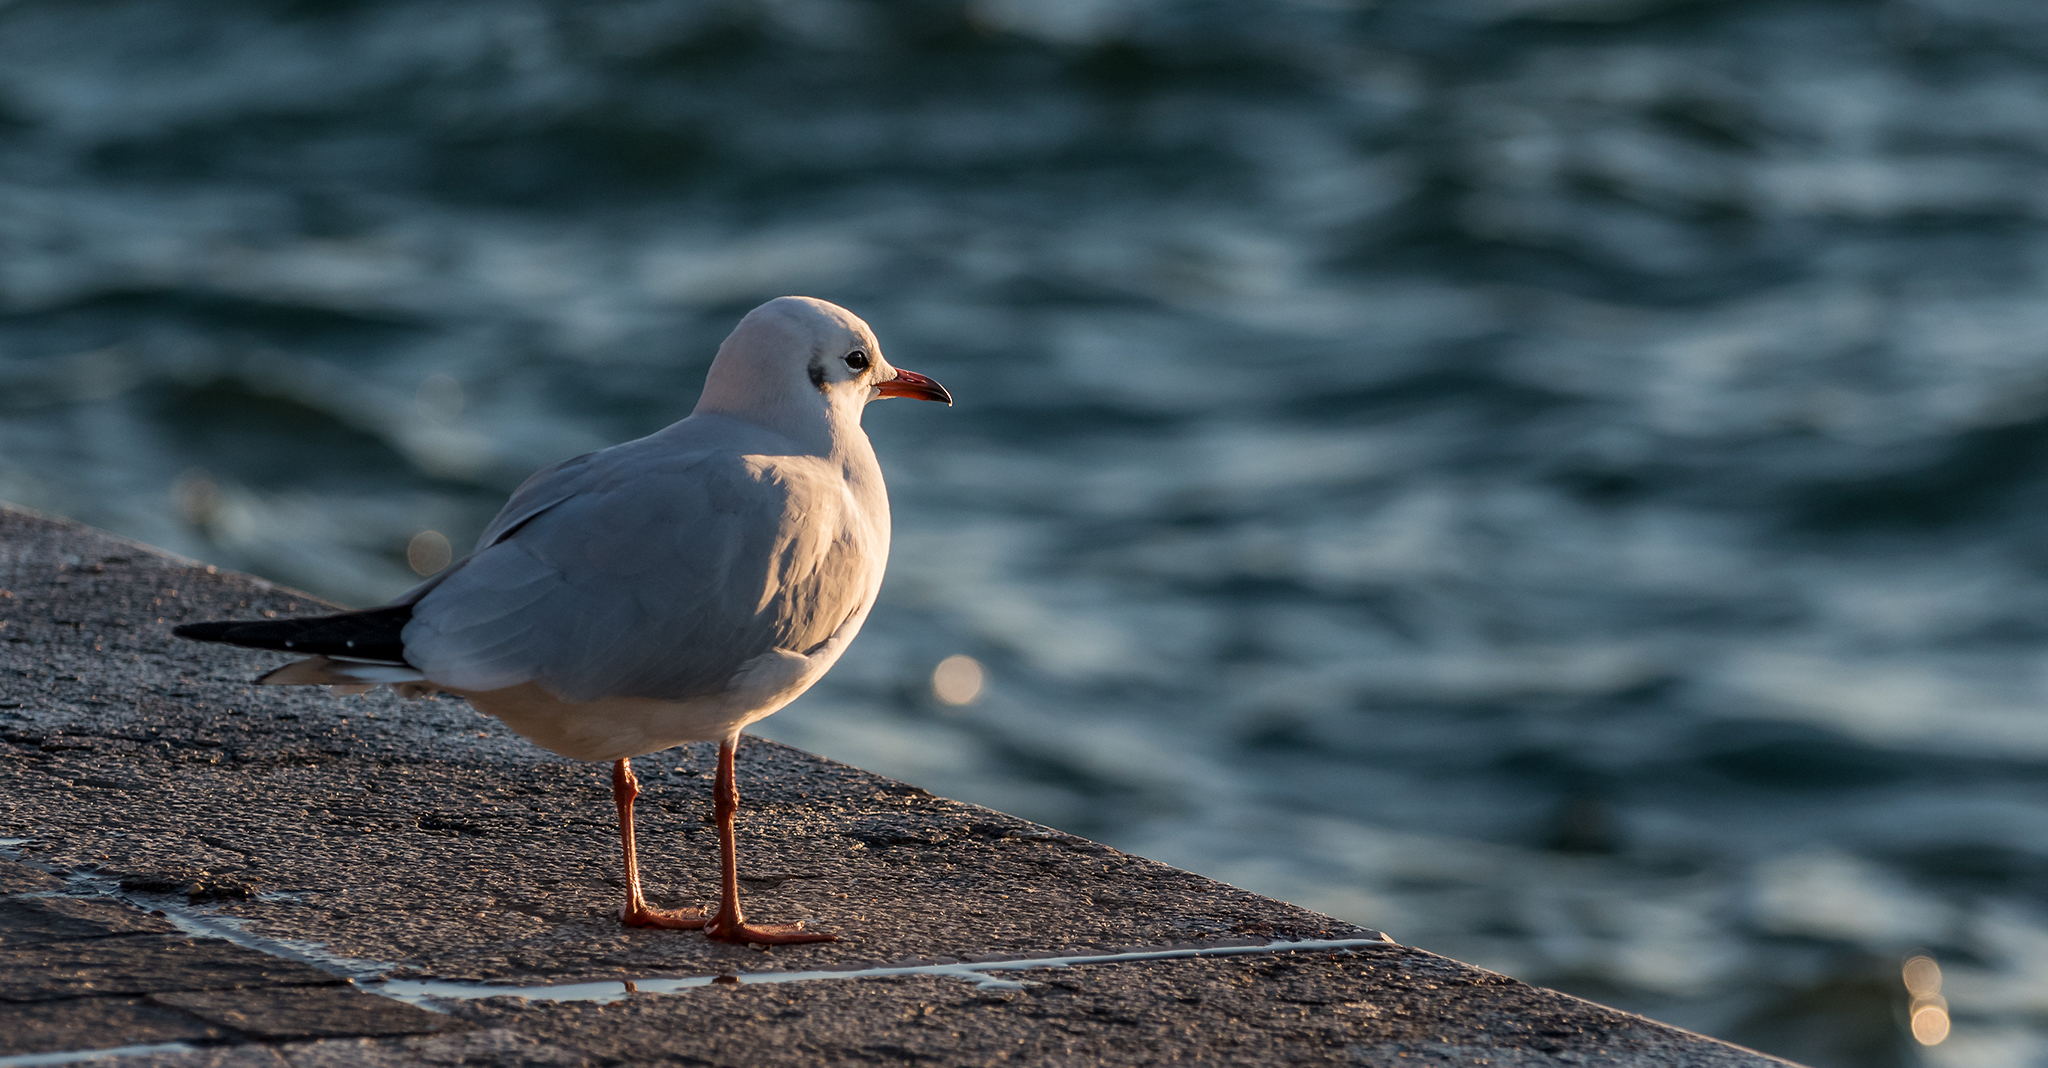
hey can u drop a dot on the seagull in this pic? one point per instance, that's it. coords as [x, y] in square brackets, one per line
[667, 590]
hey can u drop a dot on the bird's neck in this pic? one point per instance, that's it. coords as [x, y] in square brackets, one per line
[831, 431]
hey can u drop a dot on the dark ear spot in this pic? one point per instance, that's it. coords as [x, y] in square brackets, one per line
[817, 373]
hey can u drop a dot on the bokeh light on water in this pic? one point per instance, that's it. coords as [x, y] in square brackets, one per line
[1562, 481]
[428, 552]
[1927, 1013]
[958, 680]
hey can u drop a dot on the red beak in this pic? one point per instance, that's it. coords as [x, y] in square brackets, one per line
[915, 386]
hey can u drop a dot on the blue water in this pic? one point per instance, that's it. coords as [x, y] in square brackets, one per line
[1560, 481]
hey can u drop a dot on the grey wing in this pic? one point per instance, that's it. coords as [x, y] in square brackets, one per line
[649, 579]
[541, 491]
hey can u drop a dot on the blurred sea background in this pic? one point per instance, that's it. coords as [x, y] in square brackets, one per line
[1561, 481]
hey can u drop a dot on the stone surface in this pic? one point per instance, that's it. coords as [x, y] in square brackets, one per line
[477, 1049]
[141, 965]
[307, 1012]
[1382, 1006]
[95, 1023]
[29, 921]
[420, 839]
[215, 1057]
[21, 879]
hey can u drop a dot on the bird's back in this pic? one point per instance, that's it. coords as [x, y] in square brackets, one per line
[658, 568]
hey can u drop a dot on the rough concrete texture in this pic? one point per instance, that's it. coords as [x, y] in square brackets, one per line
[376, 838]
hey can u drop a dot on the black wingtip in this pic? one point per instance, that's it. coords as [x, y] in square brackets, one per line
[215, 631]
[370, 634]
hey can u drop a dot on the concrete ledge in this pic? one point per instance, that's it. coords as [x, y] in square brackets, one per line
[214, 873]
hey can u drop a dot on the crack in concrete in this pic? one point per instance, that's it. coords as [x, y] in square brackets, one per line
[33, 1060]
[202, 923]
[421, 992]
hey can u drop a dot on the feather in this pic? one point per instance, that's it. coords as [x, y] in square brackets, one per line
[372, 634]
[328, 671]
[652, 571]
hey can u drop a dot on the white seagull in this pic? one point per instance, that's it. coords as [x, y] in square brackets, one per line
[668, 590]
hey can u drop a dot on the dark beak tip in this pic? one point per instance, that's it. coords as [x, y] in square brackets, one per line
[917, 387]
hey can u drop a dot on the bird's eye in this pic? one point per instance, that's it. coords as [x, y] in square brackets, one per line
[857, 360]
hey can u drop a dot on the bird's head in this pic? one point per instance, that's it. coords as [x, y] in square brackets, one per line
[797, 358]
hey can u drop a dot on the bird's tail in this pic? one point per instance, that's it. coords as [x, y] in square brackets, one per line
[350, 676]
[353, 651]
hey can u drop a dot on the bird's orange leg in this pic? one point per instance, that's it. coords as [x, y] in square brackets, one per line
[626, 787]
[730, 925]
